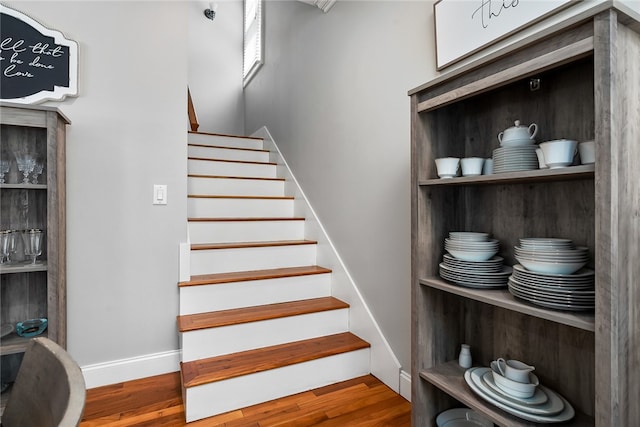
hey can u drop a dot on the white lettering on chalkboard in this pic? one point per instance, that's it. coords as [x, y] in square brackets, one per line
[9, 45]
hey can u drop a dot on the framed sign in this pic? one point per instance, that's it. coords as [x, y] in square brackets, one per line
[37, 63]
[464, 27]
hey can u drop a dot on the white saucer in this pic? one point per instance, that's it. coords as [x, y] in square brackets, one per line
[551, 404]
[567, 413]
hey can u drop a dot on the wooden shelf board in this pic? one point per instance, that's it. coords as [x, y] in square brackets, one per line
[13, 343]
[25, 186]
[449, 377]
[502, 298]
[23, 267]
[521, 177]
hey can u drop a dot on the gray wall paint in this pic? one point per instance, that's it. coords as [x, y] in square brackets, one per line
[333, 93]
[127, 133]
[215, 66]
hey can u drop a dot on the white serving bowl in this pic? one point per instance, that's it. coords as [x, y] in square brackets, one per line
[472, 166]
[559, 153]
[545, 242]
[587, 152]
[468, 236]
[466, 255]
[447, 167]
[551, 267]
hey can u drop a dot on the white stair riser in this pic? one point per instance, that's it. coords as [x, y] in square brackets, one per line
[198, 207]
[212, 167]
[245, 231]
[235, 187]
[247, 259]
[225, 141]
[226, 296]
[213, 342]
[223, 396]
[227, 153]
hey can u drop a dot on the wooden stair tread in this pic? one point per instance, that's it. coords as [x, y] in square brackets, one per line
[200, 175]
[242, 276]
[239, 245]
[232, 161]
[204, 371]
[225, 134]
[245, 219]
[259, 150]
[236, 316]
[215, 196]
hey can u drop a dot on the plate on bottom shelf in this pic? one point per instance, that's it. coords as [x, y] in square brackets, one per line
[461, 417]
[567, 413]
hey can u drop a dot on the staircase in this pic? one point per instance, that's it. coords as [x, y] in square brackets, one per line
[257, 320]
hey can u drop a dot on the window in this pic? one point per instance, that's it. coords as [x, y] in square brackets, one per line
[253, 40]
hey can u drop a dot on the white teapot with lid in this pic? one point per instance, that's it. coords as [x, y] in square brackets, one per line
[518, 135]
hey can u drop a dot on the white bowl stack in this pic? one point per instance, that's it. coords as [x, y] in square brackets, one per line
[551, 274]
[472, 261]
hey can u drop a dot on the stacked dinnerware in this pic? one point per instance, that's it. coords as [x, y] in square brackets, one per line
[472, 261]
[517, 150]
[554, 256]
[512, 159]
[525, 398]
[551, 274]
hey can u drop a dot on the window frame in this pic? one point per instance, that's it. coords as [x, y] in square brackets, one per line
[251, 30]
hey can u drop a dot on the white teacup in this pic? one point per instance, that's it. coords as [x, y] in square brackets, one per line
[514, 370]
[541, 162]
[487, 169]
[587, 152]
[447, 167]
[472, 166]
[559, 153]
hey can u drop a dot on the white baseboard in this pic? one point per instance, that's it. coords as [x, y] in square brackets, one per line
[405, 385]
[134, 368]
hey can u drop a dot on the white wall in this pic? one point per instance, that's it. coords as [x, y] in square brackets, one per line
[333, 93]
[215, 66]
[128, 132]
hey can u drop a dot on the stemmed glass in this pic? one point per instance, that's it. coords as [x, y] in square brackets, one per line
[26, 163]
[32, 243]
[37, 170]
[4, 168]
[5, 245]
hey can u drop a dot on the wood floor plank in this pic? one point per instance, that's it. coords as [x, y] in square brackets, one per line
[239, 245]
[157, 402]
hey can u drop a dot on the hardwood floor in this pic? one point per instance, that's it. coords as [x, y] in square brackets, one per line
[157, 401]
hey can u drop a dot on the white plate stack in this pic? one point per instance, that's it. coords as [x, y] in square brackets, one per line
[513, 159]
[459, 417]
[472, 261]
[544, 406]
[551, 274]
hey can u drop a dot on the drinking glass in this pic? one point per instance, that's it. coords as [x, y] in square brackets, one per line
[37, 170]
[32, 243]
[26, 163]
[4, 168]
[4, 245]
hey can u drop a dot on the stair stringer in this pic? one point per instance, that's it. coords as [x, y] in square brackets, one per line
[384, 363]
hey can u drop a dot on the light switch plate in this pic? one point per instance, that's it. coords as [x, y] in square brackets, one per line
[159, 194]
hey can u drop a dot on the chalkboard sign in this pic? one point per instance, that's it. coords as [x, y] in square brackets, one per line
[37, 63]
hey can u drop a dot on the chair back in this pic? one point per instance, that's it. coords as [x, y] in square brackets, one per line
[49, 390]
